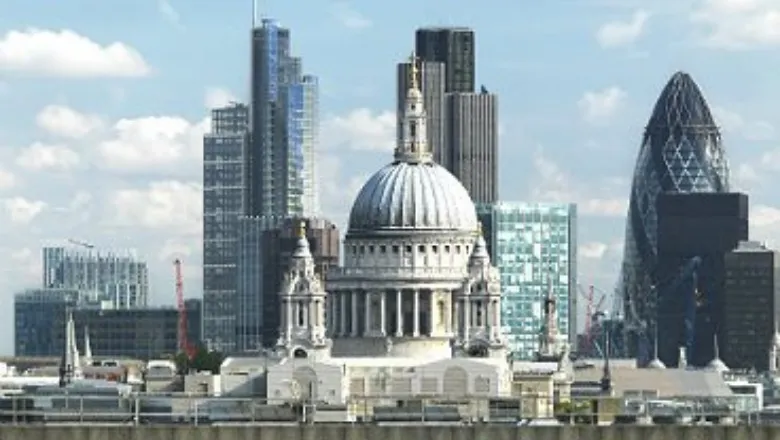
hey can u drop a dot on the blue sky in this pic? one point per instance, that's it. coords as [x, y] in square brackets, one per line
[103, 105]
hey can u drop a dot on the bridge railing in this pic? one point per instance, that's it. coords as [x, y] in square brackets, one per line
[194, 409]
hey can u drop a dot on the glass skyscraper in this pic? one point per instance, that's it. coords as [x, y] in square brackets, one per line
[284, 126]
[534, 245]
[224, 200]
[119, 278]
[681, 152]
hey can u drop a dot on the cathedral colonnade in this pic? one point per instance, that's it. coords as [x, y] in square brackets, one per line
[409, 313]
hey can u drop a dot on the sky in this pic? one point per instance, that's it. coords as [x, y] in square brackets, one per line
[103, 105]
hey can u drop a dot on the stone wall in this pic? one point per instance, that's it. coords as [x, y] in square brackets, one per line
[373, 432]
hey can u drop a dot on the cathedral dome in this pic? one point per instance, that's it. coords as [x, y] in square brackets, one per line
[413, 196]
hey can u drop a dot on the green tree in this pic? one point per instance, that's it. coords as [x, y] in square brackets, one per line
[204, 360]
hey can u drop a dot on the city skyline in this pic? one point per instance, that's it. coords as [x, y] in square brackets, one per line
[117, 159]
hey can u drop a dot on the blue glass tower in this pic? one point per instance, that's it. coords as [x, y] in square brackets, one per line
[681, 152]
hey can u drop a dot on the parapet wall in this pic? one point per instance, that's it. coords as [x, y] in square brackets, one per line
[373, 432]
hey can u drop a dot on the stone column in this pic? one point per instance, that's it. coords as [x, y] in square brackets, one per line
[355, 316]
[288, 312]
[399, 320]
[416, 308]
[383, 313]
[343, 313]
[367, 313]
[448, 315]
[467, 317]
[456, 321]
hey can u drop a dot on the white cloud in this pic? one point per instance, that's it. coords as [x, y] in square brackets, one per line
[217, 97]
[552, 184]
[169, 12]
[21, 210]
[361, 129]
[66, 122]
[48, 157]
[167, 204]
[7, 179]
[349, 17]
[738, 24]
[598, 107]
[763, 215]
[732, 122]
[67, 54]
[153, 141]
[594, 250]
[621, 33]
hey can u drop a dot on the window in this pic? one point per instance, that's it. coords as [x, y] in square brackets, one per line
[301, 315]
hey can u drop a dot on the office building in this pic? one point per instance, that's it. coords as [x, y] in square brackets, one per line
[224, 200]
[268, 266]
[456, 49]
[430, 77]
[138, 333]
[36, 313]
[472, 134]
[681, 152]
[695, 231]
[119, 277]
[534, 245]
[148, 333]
[284, 122]
[249, 300]
[751, 306]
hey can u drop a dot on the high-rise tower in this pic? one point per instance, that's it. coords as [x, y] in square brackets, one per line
[284, 124]
[454, 47]
[224, 200]
[681, 152]
[463, 124]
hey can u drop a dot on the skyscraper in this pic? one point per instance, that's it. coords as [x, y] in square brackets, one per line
[284, 123]
[119, 278]
[681, 152]
[455, 48]
[463, 125]
[224, 200]
[472, 135]
[534, 245]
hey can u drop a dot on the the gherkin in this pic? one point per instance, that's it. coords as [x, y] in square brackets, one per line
[681, 152]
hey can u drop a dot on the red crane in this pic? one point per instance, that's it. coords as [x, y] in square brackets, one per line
[184, 342]
[589, 318]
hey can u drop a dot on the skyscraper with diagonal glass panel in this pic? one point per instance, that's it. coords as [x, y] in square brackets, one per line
[681, 152]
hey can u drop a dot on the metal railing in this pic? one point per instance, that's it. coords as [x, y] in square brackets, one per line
[202, 410]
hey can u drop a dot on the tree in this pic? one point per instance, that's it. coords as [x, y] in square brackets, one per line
[204, 360]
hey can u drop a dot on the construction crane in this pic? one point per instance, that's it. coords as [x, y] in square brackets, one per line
[593, 313]
[83, 244]
[183, 340]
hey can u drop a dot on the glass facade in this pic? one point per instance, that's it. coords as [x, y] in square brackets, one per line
[534, 245]
[224, 198]
[249, 299]
[118, 277]
[681, 152]
[36, 312]
[284, 124]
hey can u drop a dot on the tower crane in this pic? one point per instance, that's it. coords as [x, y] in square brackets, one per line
[183, 339]
[83, 244]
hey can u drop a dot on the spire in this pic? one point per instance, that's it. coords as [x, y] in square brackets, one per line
[413, 146]
[716, 363]
[87, 346]
[302, 248]
[656, 363]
